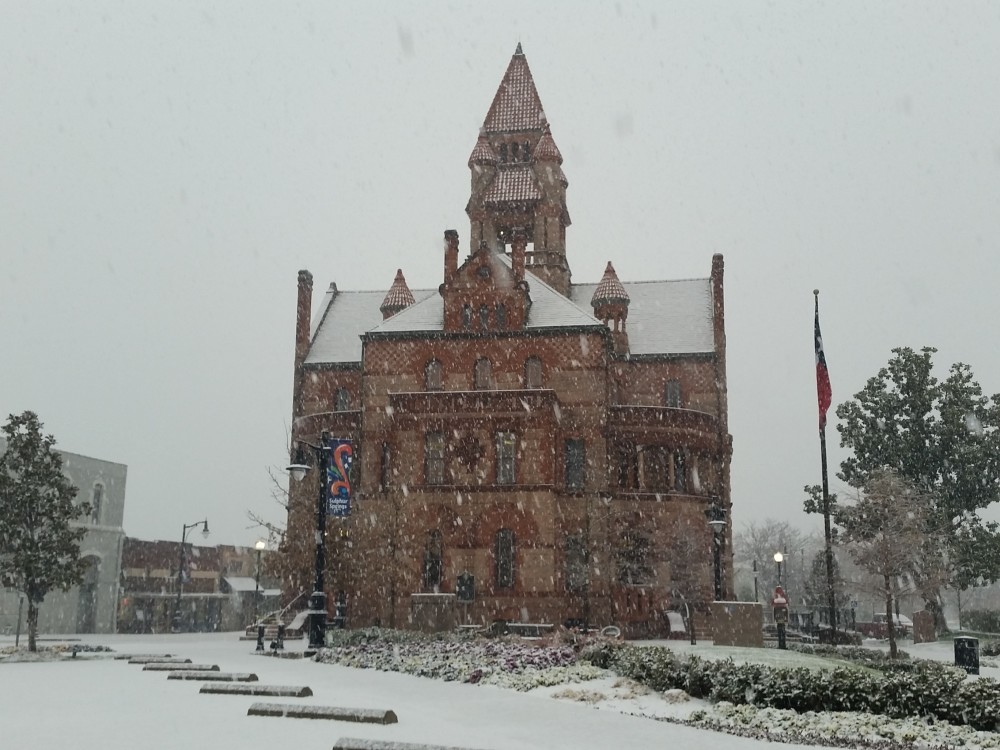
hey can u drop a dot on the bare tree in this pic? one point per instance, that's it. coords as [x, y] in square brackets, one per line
[887, 532]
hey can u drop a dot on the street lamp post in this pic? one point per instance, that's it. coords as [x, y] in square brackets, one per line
[778, 558]
[317, 602]
[260, 546]
[717, 520]
[180, 569]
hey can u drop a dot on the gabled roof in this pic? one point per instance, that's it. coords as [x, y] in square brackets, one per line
[483, 152]
[516, 105]
[513, 185]
[547, 150]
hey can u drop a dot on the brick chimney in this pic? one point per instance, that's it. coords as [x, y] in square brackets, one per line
[450, 255]
[517, 249]
[303, 314]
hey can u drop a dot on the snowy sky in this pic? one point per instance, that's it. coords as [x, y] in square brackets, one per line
[167, 169]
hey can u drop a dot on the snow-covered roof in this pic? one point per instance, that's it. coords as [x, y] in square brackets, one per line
[244, 584]
[664, 317]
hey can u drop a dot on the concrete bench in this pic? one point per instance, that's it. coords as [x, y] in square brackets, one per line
[335, 713]
[351, 743]
[161, 667]
[147, 657]
[243, 688]
[213, 676]
[158, 660]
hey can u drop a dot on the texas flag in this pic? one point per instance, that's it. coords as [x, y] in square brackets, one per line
[823, 391]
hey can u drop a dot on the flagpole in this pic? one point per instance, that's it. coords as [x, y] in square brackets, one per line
[827, 533]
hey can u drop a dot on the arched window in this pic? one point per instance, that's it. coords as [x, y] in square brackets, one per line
[432, 375]
[673, 394]
[506, 453]
[526, 152]
[433, 561]
[96, 501]
[533, 373]
[501, 317]
[503, 550]
[466, 316]
[483, 374]
[385, 480]
[503, 152]
[484, 317]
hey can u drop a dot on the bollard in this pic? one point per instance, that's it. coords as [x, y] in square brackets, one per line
[260, 637]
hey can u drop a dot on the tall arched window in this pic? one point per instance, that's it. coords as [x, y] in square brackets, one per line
[432, 375]
[483, 374]
[503, 551]
[466, 316]
[96, 501]
[433, 561]
[533, 373]
[484, 317]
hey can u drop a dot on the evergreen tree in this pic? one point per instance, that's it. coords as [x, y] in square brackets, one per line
[945, 438]
[39, 545]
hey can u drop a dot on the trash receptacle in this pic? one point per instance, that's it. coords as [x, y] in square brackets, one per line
[967, 654]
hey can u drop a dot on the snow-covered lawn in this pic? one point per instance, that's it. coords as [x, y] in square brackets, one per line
[94, 702]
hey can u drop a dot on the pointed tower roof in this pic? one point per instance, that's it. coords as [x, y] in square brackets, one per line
[516, 105]
[483, 153]
[610, 289]
[398, 297]
[547, 150]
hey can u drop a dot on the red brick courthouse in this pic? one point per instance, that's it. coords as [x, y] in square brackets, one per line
[544, 450]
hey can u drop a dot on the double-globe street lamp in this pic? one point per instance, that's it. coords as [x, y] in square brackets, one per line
[180, 568]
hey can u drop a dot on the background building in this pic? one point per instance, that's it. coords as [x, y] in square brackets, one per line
[539, 449]
[90, 607]
[219, 592]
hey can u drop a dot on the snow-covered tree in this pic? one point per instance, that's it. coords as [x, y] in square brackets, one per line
[943, 436]
[39, 546]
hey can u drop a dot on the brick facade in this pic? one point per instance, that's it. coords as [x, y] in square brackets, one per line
[535, 443]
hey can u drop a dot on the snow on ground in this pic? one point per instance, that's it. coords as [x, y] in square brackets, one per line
[94, 702]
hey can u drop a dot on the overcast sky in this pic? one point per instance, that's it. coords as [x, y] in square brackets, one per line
[167, 168]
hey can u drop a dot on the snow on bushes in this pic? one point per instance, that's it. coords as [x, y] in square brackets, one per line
[506, 663]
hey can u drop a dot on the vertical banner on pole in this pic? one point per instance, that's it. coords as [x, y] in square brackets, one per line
[338, 483]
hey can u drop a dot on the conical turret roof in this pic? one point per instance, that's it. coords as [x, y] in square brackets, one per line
[547, 150]
[516, 105]
[398, 296]
[610, 289]
[483, 153]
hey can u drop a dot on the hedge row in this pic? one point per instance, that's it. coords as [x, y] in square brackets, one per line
[981, 620]
[928, 689]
